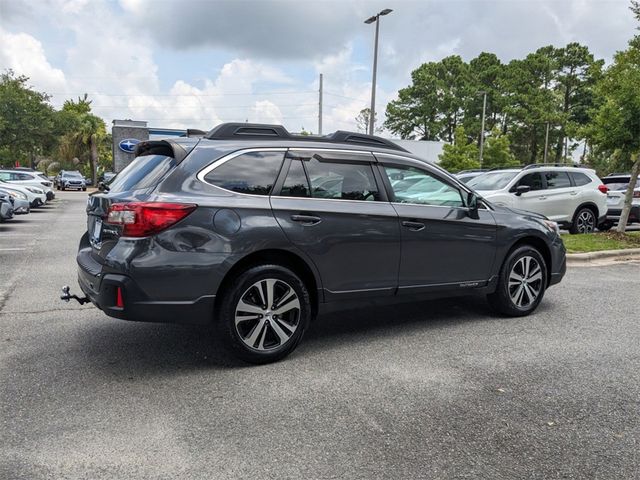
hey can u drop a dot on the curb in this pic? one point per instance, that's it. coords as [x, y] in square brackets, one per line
[623, 254]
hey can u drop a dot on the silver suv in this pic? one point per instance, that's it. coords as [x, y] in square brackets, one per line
[573, 197]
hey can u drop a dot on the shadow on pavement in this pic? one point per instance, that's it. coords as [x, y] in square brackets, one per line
[130, 348]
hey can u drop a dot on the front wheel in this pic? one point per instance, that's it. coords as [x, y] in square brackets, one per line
[521, 284]
[584, 221]
[263, 314]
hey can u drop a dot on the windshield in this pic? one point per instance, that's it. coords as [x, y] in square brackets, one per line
[71, 174]
[492, 180]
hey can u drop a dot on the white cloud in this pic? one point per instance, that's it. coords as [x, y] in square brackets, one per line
[24, 54]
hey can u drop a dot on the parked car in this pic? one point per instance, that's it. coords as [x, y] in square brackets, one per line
[466, 175]
[233, 229]
[20, 201]
[618, 184]
[35, 195]
[70, 180]
[573, 197]
[6, 207]
[28, 179]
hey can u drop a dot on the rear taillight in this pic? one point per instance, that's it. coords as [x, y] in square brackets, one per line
[141, 219]
[603, 188]
[636, 194]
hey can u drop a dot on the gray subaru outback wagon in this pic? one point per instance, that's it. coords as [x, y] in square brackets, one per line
[251, 228]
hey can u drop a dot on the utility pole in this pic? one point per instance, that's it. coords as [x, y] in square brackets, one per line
[372, 110]
[484, 111]
[546, 144]
[320, 106]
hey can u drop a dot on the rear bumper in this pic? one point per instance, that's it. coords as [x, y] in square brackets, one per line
[102, 289]
[613, 214]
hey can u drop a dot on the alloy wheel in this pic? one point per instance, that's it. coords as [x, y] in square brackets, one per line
[525, 282]
[586, 222]
[267, 314]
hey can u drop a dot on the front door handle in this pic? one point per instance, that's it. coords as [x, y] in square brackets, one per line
[542, 198]
[413, 226]
[306, 219]
[573, 193]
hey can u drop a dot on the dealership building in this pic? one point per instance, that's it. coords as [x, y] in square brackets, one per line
[128, 133]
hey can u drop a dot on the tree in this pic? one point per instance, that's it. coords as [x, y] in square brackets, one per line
[26, 119]
[616, 123]
[362, 120]
[497, 151]
[431, 108]
[88, 133]
[460, 155]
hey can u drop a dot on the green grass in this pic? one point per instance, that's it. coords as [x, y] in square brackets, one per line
[593, 242]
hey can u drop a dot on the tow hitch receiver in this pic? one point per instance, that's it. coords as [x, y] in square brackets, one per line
[66, 296]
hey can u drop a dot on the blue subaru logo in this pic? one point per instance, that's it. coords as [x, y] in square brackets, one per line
[128, 144]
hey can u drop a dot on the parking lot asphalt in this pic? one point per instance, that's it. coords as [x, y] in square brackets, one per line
[437, 389]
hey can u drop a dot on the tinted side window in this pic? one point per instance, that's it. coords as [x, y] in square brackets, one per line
[5, 176]
[412, 185]
[580, 179]
[557, 179]
[346, 181]
[23, 176]
[253, 173]
[296, 183]
[533, 180]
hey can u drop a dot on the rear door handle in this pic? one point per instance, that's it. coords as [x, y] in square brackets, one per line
[542, 198]
[306, 219]
[414, 226]
[573, 193]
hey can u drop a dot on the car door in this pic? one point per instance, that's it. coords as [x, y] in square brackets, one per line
[562, 197]
[331, 205]
[444, 244]
[535, 200]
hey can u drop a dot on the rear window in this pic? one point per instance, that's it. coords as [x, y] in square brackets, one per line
[143, 172]
[618, 184]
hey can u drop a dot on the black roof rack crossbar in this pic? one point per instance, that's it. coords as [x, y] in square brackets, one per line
[258, 131]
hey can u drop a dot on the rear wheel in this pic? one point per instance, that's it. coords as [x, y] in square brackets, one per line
[263, 314]
[521, 284]
[584, 221]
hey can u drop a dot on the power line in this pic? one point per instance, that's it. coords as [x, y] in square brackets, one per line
[305, 92]
[188, 106]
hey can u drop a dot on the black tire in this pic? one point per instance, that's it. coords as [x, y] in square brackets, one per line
[57, 187]
[267, 344]
[584, 221]
[502, 300]
[605, 226]
[84, 189]
[62, 188]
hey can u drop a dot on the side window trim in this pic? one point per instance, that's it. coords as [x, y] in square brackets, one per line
[230, 156]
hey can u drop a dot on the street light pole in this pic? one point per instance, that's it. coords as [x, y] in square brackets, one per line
[546, 143]
[484, 111]
[372, 109]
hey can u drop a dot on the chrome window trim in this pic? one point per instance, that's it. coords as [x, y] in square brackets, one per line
[370, 202]
[230, 156]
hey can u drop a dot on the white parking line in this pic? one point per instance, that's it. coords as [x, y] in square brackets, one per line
[11, 249]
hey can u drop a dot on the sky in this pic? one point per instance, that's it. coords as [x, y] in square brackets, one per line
[197, 63]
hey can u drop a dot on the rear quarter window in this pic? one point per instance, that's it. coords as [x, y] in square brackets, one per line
[580, 179]
[251, 173]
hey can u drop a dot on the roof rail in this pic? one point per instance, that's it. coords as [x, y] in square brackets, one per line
[515, 167]
[473, 170]
[534, 165]
[259, 131]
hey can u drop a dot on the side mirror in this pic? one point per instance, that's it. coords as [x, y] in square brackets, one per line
[522, 189]
[472, 205]
[101, 186]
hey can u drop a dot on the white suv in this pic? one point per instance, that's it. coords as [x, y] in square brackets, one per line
[26, 178]
[573, 197]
